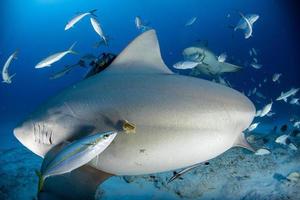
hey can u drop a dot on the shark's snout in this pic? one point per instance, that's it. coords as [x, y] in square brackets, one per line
[22, 133]
[18, 133]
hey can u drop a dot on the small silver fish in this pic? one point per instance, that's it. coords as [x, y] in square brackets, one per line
[185, 65]
[78, 17]
[253, 126]
[262, 151]
[256, 65]
[222, 57]
[47, 62]
[191, 21]
[75, 155]
[5, 76]
[98, 29]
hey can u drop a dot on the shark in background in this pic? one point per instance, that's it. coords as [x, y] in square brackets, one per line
[208, 61]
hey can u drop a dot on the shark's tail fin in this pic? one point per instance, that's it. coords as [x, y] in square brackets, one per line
[71, 49]
[92, 12]
[41, 180]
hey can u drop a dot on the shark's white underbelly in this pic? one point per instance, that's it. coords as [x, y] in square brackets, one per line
[173, 129]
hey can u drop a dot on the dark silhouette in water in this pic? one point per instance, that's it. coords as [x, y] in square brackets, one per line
[99, 64]
[295, 132]
[284, 128]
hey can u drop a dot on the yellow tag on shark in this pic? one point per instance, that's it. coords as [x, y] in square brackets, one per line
[128, 127]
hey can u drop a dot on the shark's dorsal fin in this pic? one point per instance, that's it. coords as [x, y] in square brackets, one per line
[242, 142]
[141, 56]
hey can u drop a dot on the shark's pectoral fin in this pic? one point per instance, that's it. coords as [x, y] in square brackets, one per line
[242, 142]
[141, 56]
[81, 183]
[227, 67]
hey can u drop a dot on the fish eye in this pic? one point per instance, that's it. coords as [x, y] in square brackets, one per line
[105, 136]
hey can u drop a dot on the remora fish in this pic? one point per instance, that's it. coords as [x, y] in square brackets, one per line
[75, 155]
[191, 21]
[47, 62]
[62, 72]
[77, 18]
[248, 30]
[140, 88]
[284, 95]
[185, 65]
[98, 29]
[5, 76]
[183, 171]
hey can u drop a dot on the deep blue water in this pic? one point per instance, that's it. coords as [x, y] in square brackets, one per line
[36, 29]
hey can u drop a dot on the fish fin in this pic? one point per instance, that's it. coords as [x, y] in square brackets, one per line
[15, 54]
[41, 181]
[227, 67]
[141, 56]
[81, 183]
[70, 50]
[285, 99]
[92, 12]
[242, 142]
[12, 76]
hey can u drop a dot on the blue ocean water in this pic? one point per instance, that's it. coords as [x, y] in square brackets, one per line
[36, 29]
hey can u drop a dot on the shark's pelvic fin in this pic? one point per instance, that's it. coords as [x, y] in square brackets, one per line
[81, 183]
[242, 142]
[141, 56]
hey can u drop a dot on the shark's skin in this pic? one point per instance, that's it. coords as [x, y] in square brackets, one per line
[180, 120]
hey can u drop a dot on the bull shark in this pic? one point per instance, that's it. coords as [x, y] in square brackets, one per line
[208, 61]
[178, 121]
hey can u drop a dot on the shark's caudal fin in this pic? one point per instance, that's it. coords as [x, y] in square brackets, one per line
[141, 56]
[242, 142]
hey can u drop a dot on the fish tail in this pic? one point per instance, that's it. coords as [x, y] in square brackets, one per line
[41, 181]
[12, 76]
[15, 54]
[92, 12]
[71, 49]
[105, 40]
